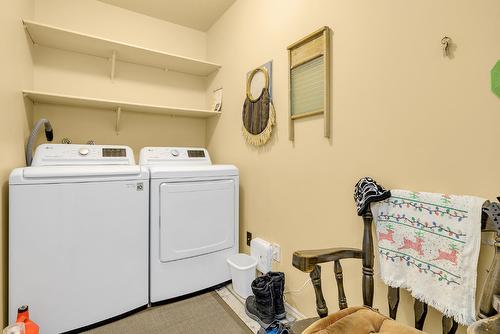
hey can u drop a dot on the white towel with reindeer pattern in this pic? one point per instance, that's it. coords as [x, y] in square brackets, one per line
[429, 244]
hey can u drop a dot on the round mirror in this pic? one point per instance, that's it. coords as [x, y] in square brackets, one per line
[257, 84]
[257, 81]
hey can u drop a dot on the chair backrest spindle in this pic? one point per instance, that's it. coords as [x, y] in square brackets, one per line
[393, 297]
[368, 258]
[491, 285]
[420, 309]
[450, 326]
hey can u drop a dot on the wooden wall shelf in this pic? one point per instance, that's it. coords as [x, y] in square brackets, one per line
[64, 39]
[114, 105]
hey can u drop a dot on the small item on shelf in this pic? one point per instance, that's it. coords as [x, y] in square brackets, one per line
[217, 100]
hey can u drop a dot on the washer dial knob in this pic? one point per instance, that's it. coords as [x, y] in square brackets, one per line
[174, 153]
[84, 151]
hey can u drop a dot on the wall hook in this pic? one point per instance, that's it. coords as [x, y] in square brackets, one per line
[445, 43]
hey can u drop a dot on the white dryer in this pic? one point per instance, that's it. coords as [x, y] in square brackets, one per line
[78, 236]
[194, 220]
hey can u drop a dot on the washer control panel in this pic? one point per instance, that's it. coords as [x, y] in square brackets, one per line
[174, 155]
[74, 154]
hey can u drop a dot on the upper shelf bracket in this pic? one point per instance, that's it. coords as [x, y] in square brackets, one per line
[113, 65]
[118, 115]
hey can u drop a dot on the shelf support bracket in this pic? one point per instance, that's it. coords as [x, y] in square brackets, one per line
[113, 65]
[118, 115]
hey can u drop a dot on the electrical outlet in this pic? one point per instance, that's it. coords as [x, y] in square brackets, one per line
[249, 238]
[276, 252]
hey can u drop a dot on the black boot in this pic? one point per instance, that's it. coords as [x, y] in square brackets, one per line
[278, 280]
[260, 306]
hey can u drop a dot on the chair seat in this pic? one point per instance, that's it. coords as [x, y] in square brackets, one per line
[354, 320]
[488, 325]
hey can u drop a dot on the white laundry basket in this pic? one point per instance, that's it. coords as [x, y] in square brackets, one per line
[242, 273]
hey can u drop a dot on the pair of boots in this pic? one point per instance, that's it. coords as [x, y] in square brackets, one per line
[267, 304]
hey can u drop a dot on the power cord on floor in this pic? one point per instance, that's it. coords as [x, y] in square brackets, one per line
[299, 290]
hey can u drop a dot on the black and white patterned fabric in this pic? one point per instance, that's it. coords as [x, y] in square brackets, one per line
[367, 191]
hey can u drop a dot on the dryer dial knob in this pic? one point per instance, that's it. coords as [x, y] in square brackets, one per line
[174, 153]
[84, 151]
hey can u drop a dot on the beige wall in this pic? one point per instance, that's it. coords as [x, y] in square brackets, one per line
[75, 74]
[400, 112]
[16, 73]
[101, 19]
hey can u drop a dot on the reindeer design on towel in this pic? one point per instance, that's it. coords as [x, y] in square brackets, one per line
[415, 245]
[448, 256]
[388, 235]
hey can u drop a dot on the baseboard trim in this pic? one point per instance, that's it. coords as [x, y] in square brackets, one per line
[296, 314]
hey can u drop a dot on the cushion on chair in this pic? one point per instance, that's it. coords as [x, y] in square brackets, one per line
[358, 320]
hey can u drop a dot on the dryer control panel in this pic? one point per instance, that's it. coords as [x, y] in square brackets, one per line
[174, 155]
[74, 154]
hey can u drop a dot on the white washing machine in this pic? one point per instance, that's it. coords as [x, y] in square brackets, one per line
[194, 220]
[78, 236]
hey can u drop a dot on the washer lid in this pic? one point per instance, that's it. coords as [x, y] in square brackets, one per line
[165, 172]
[61, 174]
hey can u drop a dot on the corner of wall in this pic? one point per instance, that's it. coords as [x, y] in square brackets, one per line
[16, 116]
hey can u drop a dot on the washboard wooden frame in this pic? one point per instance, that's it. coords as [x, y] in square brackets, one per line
[311, 47]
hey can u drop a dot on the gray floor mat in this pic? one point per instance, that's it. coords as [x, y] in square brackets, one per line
[206, 313]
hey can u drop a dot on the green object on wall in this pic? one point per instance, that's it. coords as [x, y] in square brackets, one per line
[495, 79]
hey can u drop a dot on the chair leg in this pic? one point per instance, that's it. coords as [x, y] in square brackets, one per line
[320, 300]
[339, 277]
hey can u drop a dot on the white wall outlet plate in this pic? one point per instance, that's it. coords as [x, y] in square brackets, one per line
[276, 252]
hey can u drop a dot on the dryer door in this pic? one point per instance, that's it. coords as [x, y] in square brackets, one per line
[196, 218]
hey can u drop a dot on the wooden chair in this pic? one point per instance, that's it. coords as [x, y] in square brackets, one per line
[309, 261]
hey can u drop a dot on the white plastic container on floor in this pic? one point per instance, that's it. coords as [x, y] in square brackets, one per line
[17, 328]
[242, 273]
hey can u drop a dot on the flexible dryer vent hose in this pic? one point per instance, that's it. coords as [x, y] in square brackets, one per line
[49, 134]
